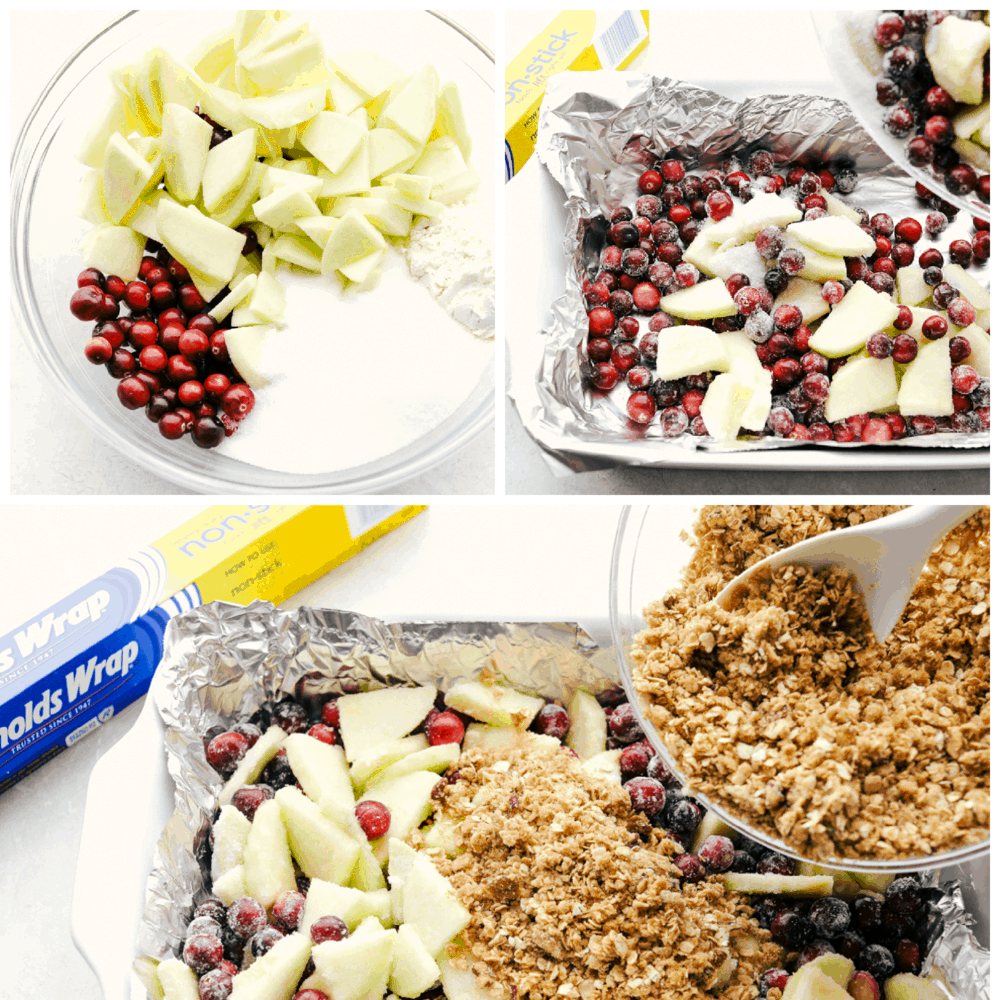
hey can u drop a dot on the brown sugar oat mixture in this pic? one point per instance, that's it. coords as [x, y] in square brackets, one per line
[787, 712]
[572, 894]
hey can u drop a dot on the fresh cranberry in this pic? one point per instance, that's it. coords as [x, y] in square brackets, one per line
[157, 407]
[787, 371]
[679, 214]
[238, 401]
[625, 356]
[132, 394]
[98, 351]
[670, 253]
[650, 182]
[86, 302]
[641, 407]
[207, 432]
[191, 393]
[328, 928]
[623, 235]
[981, 245]
[634, 761]
[934, 327]
[322, 733]
[787, 318]
[773, 863]
[446, 727]
[137, 295]
[719, 205]
[919, 151]
[960, 252]
[180, 369]
[604, 376]
[939, 130]
[153, 358]
[959, 349]
[647, 296]
[960, 180]
[691, 402]
[647, 794]
[599, 349]
[190, 298]
[193, 344]
[690, 867]
[876, 430]
[173, 426]
[226, 751]
[249, 797]
[374, 818]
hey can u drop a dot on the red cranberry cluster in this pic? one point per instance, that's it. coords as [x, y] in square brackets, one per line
[167, 353]
[917, 106]
[642, 259]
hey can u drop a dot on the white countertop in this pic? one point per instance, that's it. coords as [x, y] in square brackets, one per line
[486, 562]
[52, 451]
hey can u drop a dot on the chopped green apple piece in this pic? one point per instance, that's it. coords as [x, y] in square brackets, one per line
[230, 886]
[834, 206]
[744, 363]
[226, 168]
[925, 387]
[966, 123]
[113, 250]
[285, 110]
[276, 975]
[444, 833]
[408, 799]
[388, 150]
[361, 270]
[299, 64]
[174, 82]
[430, 906]
[844, 884]
[818, 266]
[973, 152]
[810, 983]
[415, 184]
[356, 968]
[906, 986]
[95, 142]
[779, 885]
[494, 704]
[588, 725]
[833, 235]
[230, 833]
[317, 229]
[342, 96]
[90, 200]
[690, 350]
[955, 50]
[706, 300]
[392, 220]
[703, 249]
[241, 292]
[126, 174]
[353, 179]
[861, 312]
[861, 385]
[267, 861]
[246, 346]
[369, 72]
[441, 160]
[414, 109]
[749, 218]
[724, 404]
[268, 299]
[411, 203]
[979, 341]
[413, 967]
[400, 863]
[213, 55]
[911, 286]
[322, 848]
[807, 296]
[284, 206]
[605, 765]
[333, 139]
[177, 981]
[351, 905]
[373, 718]
[456, 188]
[435, 758]
[959, 278]
[741, 259]
[256, 758]
[199, 242]
[368, 875]
[320, 768]
[450, 119]
[459, 984]
[223, 106]
[478, 734]
[238, 210]
[371, 759]
[353, 238]
[184, 144]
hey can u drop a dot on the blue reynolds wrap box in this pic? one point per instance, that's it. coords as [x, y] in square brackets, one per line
[69, 669]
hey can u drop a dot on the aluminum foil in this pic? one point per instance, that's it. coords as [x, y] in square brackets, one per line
[597, 134]
[222, 661]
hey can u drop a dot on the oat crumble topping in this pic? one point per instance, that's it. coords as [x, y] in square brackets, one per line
[574, 895]
[788, 713]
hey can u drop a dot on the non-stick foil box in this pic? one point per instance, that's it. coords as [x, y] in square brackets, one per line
[73, 665]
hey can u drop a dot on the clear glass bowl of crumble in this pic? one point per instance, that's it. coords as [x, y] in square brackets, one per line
[825, 780]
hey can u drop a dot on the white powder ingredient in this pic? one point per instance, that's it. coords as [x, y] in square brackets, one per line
[452, 256]
[356, 375]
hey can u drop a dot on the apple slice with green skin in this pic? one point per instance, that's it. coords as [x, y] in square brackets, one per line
[381, 755]
[229, 834]
[435, 758]
[408, 800]
[844, 883]
[90, 200]
[413, 967]
[226, 168]
[267, 861]
[959, 278]
[361, 270]
[108, 122]
[925, 387]
[979, 341]
[351, 905]
[125, 176]
[906, 986]
[955, 50]
[246, 347]
[973, 152]
[779, 885]
[588, 725]
[966, 123]
[145, 968]
[371, 719]
[268, 299]
[605, 765]
[807, 296]
[369, 72]
[444, 833]
[342, 96]
[459, 984]
[321, 847]
[414, 109]
[256, 758]
[320, 768]
[355, 178]
[818, 266]
[356, 968]
[283, 206]
[859, 314]
[184, 144]
[478, 734]
[690, 350]
[238, 210]
[450, 119]
[177, 981]
[354, 237]
[400, 857]
[276, 975]
[724, 404]
[367, 874]
[494, 704]
[834, 236]
[834, 206]
[240, 295]
[811, 984]
[911, 286]
[861, 385]
[749, 218]
[275, 177]
[285, 110]
[430, 906]
[837, 969]
[113, 250]
[706, 300]
[333, 139]
[231, 886]
[199, 242]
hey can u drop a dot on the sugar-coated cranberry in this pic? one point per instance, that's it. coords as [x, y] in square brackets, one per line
[647, 794]
[264, 940]
[960, 252]
[322, 733]
[719, 205]
[647, 207]
[672, 170]
[717, 853]
[552, 720]
[328, 928]
[787, 318]
[830, 916]
[599, 349]
[611, 259]
[215, 985]
[374, 818]
[674, 421]
[877, 960]
[791, 930]
[633, 762]
[290, 716]
[964, 380]
[791, 261]
[772, 979]
[248, 798]
[226, 751]
[202, 953]
[899, 121]
[691, 402]
[690, 867]
[961, 312]
[773, 863]
[624, 356]
[781, 421]
[981, 245]
[623, 724]
[620, 302]
[919, 151]
[641, 407]
[876, 431]
[246, 917]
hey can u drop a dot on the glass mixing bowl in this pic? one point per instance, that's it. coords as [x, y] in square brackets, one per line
[647, 560]
[45, 236]
[856, 63]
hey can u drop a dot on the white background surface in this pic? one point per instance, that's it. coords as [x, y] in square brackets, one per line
[730, 52]
[52, 451]
[479, 562]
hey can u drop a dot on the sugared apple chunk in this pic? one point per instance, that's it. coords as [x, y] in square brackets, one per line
[408, 799]
[955, 50]
[925, 387]
[375, 758]
[267, 861]
[833, 235]
[230, 834]
[724, 404]
[276, 975]
[860, 386]
[351, 905]
[414, 970]
[749, 218]
[494, 704]
[862, 312]
[690, 350]
[357, 967]
[320, 768]
[706, 300]
[321, 847]
[177, 981]
[588, 725]
[807, 296]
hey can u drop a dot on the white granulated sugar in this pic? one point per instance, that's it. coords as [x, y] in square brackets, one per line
[452, 256]
[356, 375]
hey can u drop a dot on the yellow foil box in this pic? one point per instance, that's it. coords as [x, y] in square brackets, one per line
[71, 667]
[576, 39]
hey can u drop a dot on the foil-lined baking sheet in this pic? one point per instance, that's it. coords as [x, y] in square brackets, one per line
[597, 133]
[222, 661]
